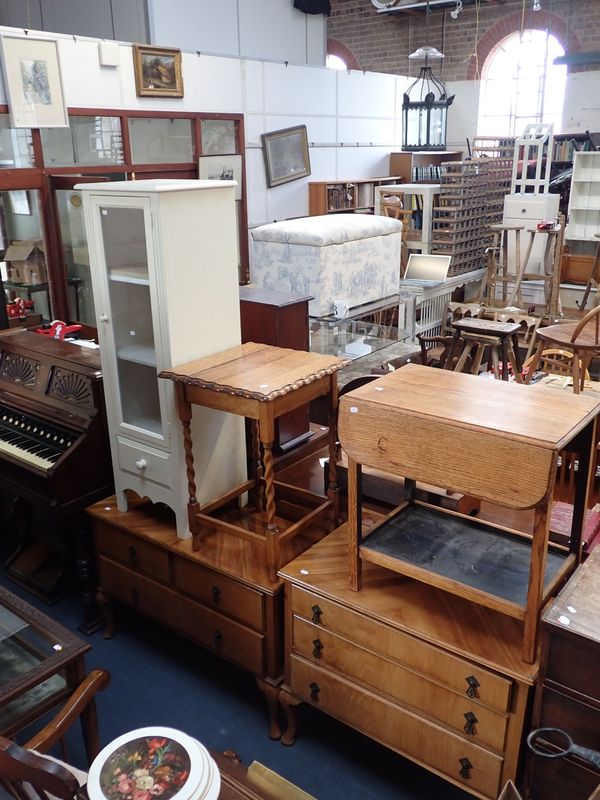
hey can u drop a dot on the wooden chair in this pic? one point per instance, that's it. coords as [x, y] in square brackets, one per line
[528, 327]
[396, 210]
[435, 349]
[28, 775]
[555, 361]
[581, 338]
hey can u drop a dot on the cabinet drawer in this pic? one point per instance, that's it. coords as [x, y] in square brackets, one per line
[136, 553]
[580, 673]
[219, 592]
[145, 462]
[421, 740]
[531, 209]
[456, 673]
[562, 778]
[581, 721]
[467, 718]
[144, 594]
[210, 629]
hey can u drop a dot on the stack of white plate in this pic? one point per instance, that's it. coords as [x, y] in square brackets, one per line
[154, 764]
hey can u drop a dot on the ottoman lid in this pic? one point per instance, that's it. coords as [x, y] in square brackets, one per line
[325, 229]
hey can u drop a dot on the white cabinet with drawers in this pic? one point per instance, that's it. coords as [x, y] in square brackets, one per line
[163, 255]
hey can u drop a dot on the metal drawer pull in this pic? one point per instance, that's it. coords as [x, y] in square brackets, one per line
[317, 648]
[314, 691]
[216, 595]
[473, 686]
[217, 638]
[470, 723]
[316, 618]
[465, 768]
[132, 554]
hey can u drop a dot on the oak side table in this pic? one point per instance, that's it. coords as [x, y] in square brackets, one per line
[260, 382]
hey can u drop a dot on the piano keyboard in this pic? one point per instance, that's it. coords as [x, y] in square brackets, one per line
[31, 439]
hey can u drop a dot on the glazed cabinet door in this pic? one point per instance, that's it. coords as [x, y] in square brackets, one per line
[128, 317]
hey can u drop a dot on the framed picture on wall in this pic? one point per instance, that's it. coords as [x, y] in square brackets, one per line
[33, 82]
[222, 168]
[157, 71]
[286, 155]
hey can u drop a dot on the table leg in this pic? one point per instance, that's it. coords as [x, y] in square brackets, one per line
[536, 583]
[333, 492]
[534, 362]
[257, 466]
[504, 348]
[271, 694]
[266, 427]
[453, 345]
[184, 412]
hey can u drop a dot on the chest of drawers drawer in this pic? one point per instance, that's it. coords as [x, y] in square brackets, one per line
[466, 717]
[468, 679]
[205, 626]
[460, 761]
[133, 551]
[220, 592]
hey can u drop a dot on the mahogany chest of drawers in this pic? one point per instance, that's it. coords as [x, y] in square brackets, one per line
[430, 675]
[568, 693]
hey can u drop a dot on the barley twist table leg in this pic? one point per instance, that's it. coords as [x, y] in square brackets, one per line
[257, 465]
[272, 533]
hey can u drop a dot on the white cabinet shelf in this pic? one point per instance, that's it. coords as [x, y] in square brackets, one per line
[164, 266]
[584, 201]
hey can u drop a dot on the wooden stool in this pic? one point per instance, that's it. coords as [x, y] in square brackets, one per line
[501, 339]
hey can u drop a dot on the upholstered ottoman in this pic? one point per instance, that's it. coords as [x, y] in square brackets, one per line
[353, 258]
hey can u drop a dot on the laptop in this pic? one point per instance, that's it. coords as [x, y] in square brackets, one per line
[426, 270]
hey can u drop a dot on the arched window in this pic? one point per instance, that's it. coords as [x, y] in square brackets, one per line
[521, 84]
[335, 62]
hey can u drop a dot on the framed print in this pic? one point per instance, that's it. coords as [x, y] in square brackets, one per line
[19, 201]
[157, 71]
[222, 168]
[33, 83]
[286, 155]
[219, 137]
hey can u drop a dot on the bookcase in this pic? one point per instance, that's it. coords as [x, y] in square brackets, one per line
[358, 196]
[584, 201]
[422, 166]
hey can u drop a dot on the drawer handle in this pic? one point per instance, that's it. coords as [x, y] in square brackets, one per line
[465, 768]
[316, 618]
[135, 596]
[317, 648]
[217, 638]
[132, 554]
[216, 595]
[141, 463]
[470, 723]
[473, 686]
[314, 692]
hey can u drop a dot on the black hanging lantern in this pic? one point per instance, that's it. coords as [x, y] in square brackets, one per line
[425, 107]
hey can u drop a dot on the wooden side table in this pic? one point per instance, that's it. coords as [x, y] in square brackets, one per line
[481, 333]
[260, 382]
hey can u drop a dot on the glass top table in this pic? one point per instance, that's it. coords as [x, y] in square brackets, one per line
[41, 663]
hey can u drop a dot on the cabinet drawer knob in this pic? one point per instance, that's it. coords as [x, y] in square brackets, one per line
[216, 595]
[317, 648]
[465, 768]
[217, 638]
[103, 317]
[470, 723]
[317, 613]
[473, 686]
[132, 554]
[314, 691]
[141, 463]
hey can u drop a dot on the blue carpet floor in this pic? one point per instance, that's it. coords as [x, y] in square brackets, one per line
[159, 678]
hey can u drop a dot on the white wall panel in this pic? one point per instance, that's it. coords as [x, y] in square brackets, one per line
[462, 114]
[374, 95]
[272, 29]
[366, 131]
[300, 90]
[321, 130]
[316, 39]
[195, 25]
[106, 81]
[581, 110]
[253, 77]
[362, 162]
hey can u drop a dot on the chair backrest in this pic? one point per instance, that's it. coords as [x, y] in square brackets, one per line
[592, 317]
[556, 362]
[455, 311]
[26, 775]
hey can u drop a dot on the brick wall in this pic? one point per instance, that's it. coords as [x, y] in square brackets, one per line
[382, 42]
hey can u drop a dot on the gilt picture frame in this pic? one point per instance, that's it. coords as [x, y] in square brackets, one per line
[33, 82]
[158, 71]
[286, 155]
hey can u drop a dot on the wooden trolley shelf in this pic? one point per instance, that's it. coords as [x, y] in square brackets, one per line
[482, 562]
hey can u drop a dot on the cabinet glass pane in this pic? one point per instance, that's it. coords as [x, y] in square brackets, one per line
[160, 140]
[16, 145]
[87, 140]
[124, 239]
[218, 137]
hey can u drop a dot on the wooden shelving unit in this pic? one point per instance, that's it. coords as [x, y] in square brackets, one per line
[421, 166]
[352, 196]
